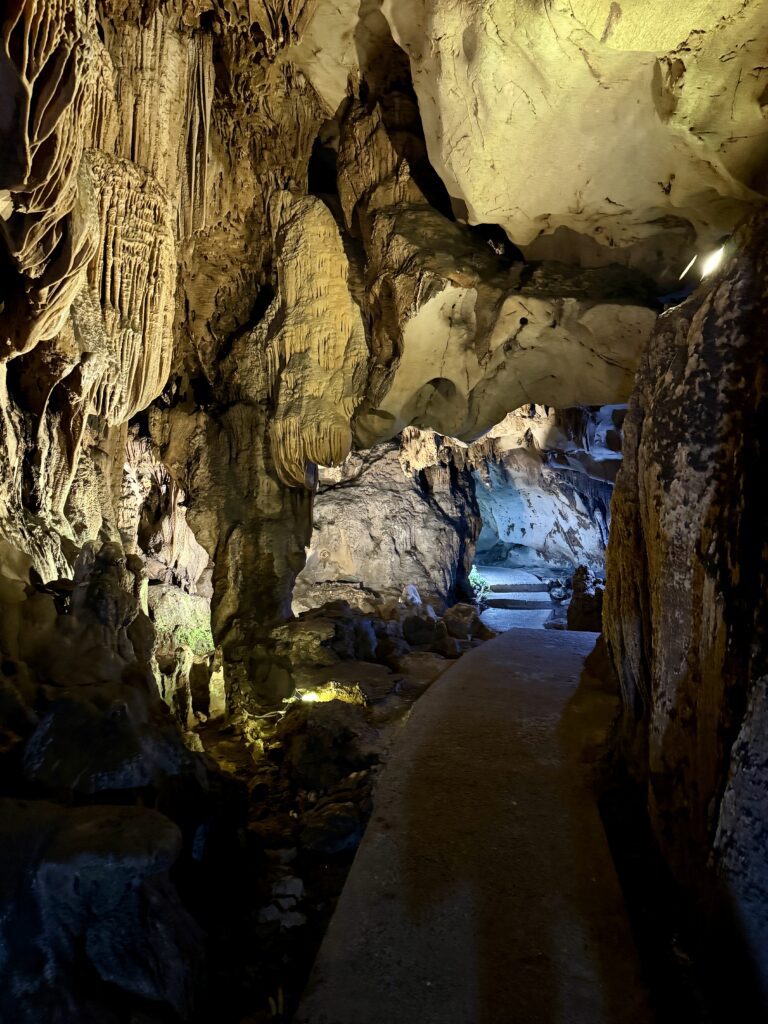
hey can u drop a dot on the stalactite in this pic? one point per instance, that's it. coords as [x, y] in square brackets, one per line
[134, 277]
[280, 21]
[315, 347]
[193, 210]
[47, 51]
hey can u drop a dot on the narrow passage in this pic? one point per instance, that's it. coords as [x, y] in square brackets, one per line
[484, 891]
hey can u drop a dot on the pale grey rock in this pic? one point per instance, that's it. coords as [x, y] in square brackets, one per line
[400, 516]
[544, 480]
[510, 90]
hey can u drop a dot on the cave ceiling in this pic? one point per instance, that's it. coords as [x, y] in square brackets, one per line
[320, 222]
[613, 131]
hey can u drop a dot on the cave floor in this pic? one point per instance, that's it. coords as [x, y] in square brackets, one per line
[484, 891]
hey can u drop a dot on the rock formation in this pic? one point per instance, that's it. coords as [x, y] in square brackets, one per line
[557, 84]
[685, 614]
[410, 511]
[402, 514]
[544, 483]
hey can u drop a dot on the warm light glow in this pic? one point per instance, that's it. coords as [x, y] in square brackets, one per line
[712, 262]
[310, 696]
[688, 267]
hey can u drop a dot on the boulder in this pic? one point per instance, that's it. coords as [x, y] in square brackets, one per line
[321, 743]
[419, 631]
[444, 644]
[107, 742]
[463, 623]
[88, 916]
[585, 612]
[421, 668]
[332, 828]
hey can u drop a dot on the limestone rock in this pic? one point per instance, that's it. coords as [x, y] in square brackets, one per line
[310, 351]
[537, 514]
[556, 85]
[403, 513]
[134, 276]
[89, 886]
[322, 743]
[741, 838]
[463, 623]
[333, 828]
[419, 631]
[181, 621]
[337, 38]
[585, 611]
[152, 520]
[422, 668]
[508, 335]
[686, 595]
[47, 58]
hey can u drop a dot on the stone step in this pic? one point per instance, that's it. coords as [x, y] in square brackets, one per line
[519, 588]
[517, 602]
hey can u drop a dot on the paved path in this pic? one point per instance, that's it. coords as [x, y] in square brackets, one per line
[484, 891]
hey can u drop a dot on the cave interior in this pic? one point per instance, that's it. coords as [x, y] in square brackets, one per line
[383, 550]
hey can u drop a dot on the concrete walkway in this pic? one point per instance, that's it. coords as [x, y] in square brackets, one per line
[484, 891]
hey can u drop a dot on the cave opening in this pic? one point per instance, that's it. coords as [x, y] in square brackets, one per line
[544, 480]
[505, 522]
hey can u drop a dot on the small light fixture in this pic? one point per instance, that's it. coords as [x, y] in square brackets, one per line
[712, 262]
[688, 267]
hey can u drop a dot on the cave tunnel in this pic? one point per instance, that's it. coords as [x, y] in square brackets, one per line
[383, 552]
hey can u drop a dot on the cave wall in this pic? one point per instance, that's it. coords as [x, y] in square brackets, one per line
[544, 481]
[168, 264]
[686, 611]
[535, 491]
[187, 329]
[157, 172]
[402, 513]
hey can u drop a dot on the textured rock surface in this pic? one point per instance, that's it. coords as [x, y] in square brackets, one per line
[142, 237]
[224, 258]
[544, 484]
[558, 84]
[179, 252]
[68, 877]
[309, 352]
[505, 334]
[686, 600]
[405, 512]
[48, 58]
[585, 610]
[402, 513]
